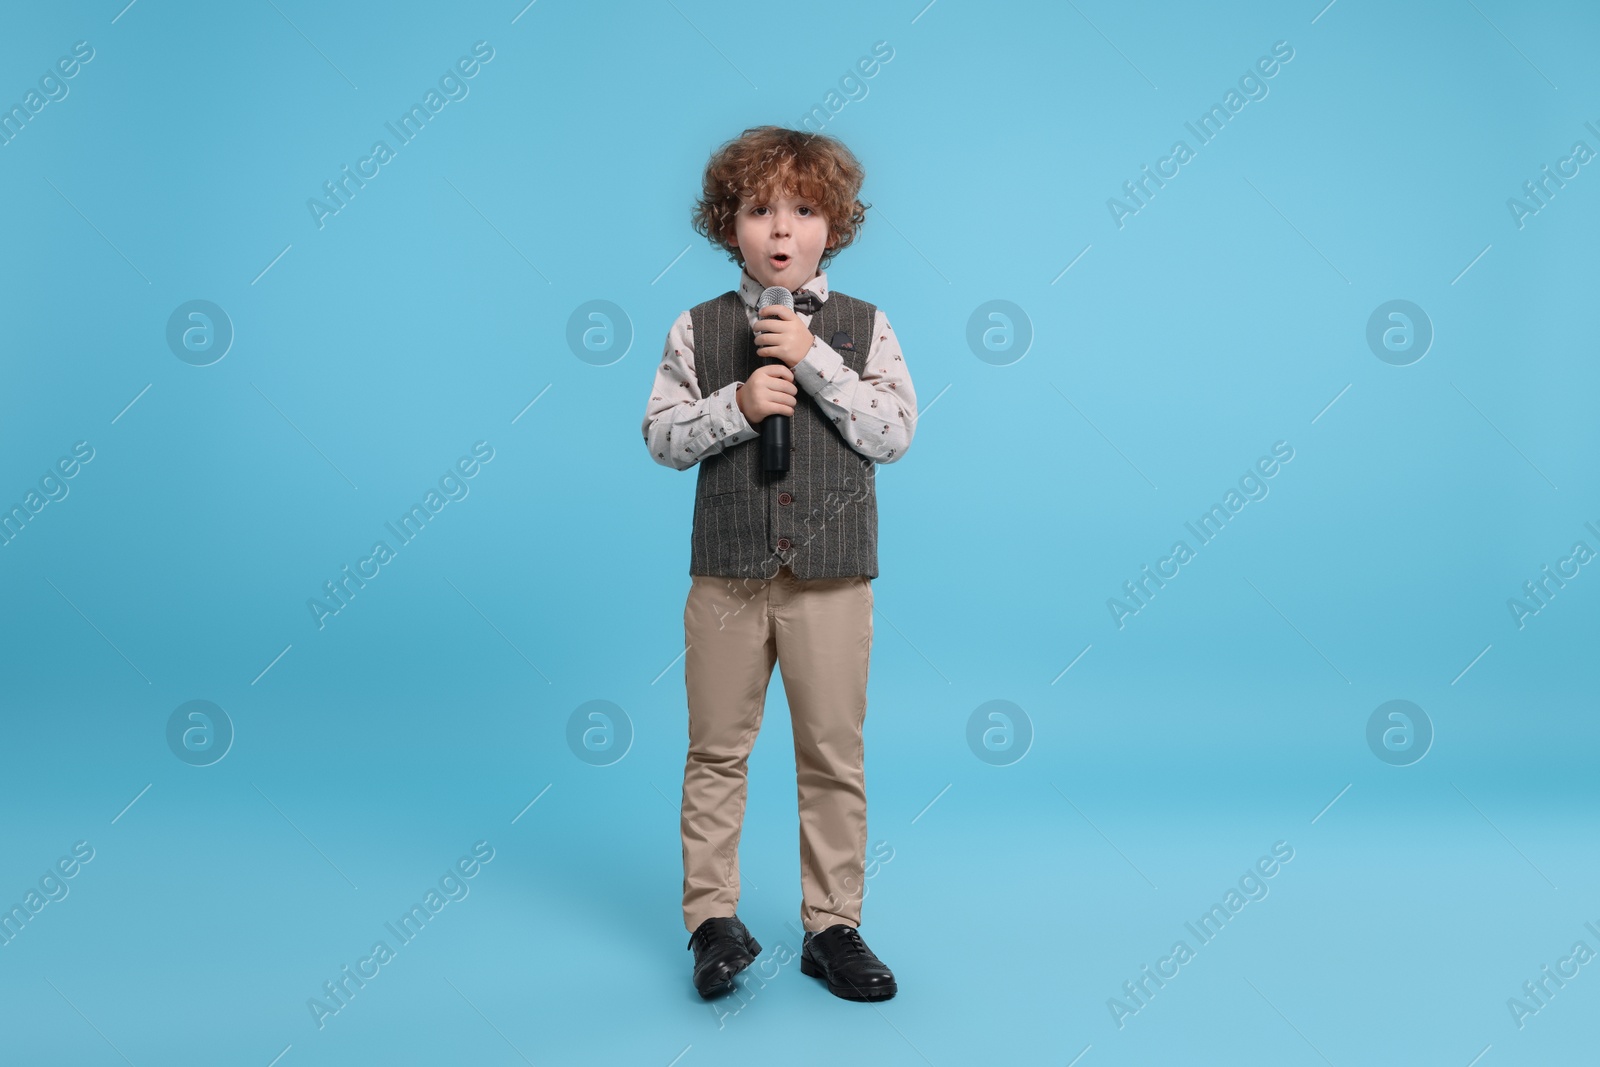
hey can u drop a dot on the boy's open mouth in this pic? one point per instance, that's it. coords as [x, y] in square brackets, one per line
[780, 260]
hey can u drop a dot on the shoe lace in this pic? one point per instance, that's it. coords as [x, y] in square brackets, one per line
[711, 934]
[850, 943]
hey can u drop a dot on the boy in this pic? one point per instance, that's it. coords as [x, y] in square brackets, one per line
[781, 563]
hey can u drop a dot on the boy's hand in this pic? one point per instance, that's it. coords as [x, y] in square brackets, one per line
[770, 390]
[781, 334]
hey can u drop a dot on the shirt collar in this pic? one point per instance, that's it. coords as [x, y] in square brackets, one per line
[750, 289]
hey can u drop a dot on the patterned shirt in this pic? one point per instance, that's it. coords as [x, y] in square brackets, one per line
[682, 427]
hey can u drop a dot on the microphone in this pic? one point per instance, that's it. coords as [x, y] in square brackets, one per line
[775, 428]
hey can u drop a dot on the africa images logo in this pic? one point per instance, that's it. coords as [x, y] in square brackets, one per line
[453, 87]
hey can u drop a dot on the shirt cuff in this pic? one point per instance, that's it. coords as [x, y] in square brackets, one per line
[725, 422]
[818, 367]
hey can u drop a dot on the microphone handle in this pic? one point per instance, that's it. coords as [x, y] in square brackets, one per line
[775, 440]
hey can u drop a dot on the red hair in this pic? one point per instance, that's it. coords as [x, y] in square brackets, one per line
[768, 161]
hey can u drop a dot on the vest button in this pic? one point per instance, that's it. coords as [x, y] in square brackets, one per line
[783, 544]
[785, 498]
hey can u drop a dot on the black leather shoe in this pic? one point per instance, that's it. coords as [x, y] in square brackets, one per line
[843, 960]
[722, 948]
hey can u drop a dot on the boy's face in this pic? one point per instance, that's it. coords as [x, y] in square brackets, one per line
[781, 239]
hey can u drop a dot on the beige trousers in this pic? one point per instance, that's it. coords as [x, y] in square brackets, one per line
[819, 631]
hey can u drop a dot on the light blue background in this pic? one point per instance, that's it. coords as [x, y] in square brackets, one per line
[1228, 314]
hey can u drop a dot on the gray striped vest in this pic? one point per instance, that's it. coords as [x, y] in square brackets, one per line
[821, 515]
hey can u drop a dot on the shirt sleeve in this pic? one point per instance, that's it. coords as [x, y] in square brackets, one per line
[682, 427]
[876, 410]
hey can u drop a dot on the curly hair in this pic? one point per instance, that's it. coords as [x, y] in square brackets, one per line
[768, 161]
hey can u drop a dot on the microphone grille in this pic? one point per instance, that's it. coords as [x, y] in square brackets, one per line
[777, 294]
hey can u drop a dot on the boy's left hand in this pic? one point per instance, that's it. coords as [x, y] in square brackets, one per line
[781, 334]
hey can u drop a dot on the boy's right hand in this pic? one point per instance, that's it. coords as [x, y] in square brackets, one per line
[770, 390]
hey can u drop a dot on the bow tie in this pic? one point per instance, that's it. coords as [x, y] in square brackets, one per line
[806, 302]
